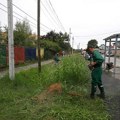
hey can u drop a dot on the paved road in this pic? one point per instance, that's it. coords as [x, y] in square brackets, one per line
[112, 84]
[112, 60]
[117, 69]
[18, 69]
[112, 90]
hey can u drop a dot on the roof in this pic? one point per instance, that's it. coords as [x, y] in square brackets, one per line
[113, 36]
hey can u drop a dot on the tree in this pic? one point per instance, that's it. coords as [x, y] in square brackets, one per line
[4, 35]
[58, 38]
[51, 36]
[22, 32]
[50, 45]
[64, 37]
[31, 41]
[1, 37]
[50, 48]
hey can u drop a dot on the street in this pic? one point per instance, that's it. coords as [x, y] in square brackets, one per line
[112, 60]
[116, 73]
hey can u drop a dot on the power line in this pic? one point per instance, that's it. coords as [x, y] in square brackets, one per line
[3, 10]
[13, 15]
[23, 20]
[53, 23]
[17, 14]
[50, 18]
[22, 16]
[3, 5]
[30, 16]
[49, 13]
[24, 12]
[56, 15]
[98, 34]
[45, 26]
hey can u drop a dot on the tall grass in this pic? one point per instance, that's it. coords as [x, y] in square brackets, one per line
[73, 69]
[72, 72]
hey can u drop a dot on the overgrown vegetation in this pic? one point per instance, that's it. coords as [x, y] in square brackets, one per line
[51, 42]
[17, 97]
[23, 36]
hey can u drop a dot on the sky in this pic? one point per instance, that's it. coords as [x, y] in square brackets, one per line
[87, 19]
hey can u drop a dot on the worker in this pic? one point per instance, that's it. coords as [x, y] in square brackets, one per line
[96, 74]
[56, 58]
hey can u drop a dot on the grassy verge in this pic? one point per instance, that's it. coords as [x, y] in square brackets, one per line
[18, 101]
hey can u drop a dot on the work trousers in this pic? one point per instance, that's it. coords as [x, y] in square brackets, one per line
[97, 80]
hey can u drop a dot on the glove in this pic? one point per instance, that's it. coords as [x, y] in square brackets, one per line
[90, 67]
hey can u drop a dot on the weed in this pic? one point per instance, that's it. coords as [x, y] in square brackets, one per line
[16, 101]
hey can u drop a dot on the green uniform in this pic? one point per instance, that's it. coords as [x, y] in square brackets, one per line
[56, 58]
[97, 73]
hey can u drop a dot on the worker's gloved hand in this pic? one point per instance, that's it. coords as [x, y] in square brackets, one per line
[90, 67]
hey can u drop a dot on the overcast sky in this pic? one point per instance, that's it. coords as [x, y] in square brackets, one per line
[88, 19]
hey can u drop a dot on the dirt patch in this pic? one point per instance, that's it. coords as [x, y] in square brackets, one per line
[52, 90]
[56, 87]
[46, 95]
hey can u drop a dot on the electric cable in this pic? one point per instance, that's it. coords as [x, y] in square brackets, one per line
[56, 15]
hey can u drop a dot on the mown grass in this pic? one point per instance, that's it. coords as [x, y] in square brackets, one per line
[16, 101]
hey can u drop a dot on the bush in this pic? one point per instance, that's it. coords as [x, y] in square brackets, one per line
[73, 70]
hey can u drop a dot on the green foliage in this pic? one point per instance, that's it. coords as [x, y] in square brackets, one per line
[50, 45]
[50, 48]
[59, 38]
[51, 36]
[72, 69]
[1, 35]
[16, 101]
[76, 108]
[48, 54]
[54, 42]
[5, 37]
[23, 36]
[21, 33]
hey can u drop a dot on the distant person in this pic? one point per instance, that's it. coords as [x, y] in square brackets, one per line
[60, 53]
[96, 61]
[63, 53]
[56, 58]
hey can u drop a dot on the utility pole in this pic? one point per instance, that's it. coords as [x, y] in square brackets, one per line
[10, 40]
[79, 46]
[72, 44]
[38, 35]
[69, 38]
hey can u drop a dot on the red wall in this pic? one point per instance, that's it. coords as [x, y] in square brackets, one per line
[19, 55]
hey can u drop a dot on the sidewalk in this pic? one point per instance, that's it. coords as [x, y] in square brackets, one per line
[112, 91]
[18, 69]
[112, 85]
